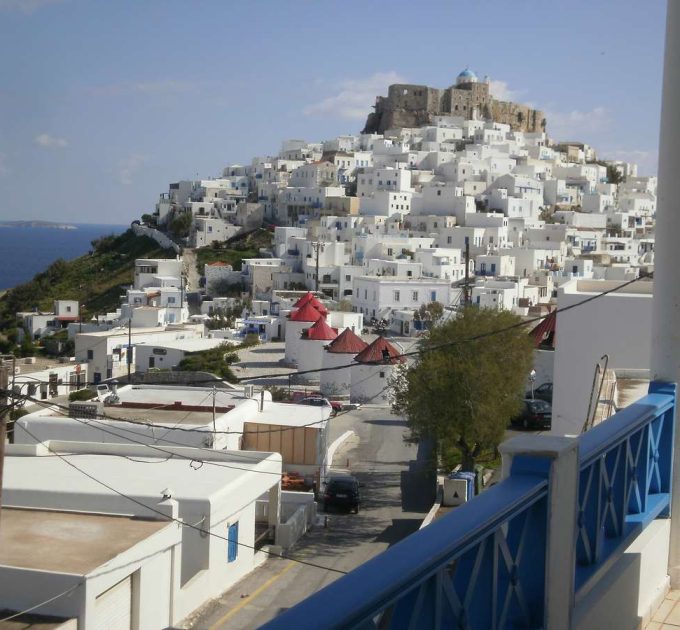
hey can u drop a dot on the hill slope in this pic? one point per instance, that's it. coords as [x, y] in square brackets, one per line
[95, 280]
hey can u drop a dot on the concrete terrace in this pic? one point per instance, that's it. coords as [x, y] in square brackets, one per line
[69, 542]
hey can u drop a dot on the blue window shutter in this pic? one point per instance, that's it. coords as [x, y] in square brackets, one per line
[232, 547]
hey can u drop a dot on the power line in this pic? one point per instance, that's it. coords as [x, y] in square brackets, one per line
[411, 353]
[47, 601]
[140, 422]
[177, 520]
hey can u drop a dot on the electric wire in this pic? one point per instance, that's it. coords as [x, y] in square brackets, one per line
[165, 516]
[455, 342]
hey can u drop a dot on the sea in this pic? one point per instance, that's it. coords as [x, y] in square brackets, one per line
[26, 251]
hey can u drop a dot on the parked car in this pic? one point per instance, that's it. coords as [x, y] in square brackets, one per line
[342, 491]
[318, 401]
[535, 414]
[542, 392]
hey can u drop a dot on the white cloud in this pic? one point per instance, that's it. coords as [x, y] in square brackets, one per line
[129, 166]
[501, 91]
[47, 141]
[647, 161]
[575, 125]
[144, 87]
[25, 6]
[353, 98]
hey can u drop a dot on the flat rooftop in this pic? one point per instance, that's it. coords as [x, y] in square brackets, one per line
[191, 473]
[290, 415]
[168, 394]
[642, 287]
[69, 542]
[190, 345]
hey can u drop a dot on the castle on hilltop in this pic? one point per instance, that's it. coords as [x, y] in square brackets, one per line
[415, 105]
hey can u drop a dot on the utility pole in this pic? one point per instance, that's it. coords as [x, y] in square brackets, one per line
[318, 246]
[214, 393]
[4, 412]
[129, 350]
[466, 291]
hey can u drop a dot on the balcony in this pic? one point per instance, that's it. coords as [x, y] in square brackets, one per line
[570, 538]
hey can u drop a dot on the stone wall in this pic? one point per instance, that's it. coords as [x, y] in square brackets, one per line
[408, 105]
[162, 239]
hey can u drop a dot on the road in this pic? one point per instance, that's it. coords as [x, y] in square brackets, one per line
[192, 274]
[397, 492]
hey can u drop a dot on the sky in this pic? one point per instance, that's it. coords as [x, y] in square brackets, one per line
[104, 103]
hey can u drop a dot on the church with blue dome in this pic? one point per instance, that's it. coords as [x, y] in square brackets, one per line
[409, 105]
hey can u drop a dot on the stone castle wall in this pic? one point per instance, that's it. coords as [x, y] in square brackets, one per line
[409, 105]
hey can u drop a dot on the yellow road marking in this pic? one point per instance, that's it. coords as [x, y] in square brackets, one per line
[250, 598]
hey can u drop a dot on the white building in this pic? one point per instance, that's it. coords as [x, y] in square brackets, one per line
[140, 542]
[376, 296]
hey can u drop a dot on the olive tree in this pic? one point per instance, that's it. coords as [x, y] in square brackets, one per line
[466, 384]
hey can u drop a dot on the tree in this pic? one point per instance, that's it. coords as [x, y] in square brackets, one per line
[181, 224]
[614, 175]
[431, 312]
[216, 361]
[462, 395]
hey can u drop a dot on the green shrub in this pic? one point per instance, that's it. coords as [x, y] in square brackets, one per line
[81, 394]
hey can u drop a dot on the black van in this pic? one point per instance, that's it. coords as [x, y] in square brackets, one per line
[342, 492]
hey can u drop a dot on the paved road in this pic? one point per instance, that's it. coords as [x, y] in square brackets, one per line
[397, 493]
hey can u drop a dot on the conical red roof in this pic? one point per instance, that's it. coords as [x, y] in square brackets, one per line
[380, 351]
[310, 298]
[319, 306]
[303, 300]
[307, 313]
[320, 331]
[347, 342]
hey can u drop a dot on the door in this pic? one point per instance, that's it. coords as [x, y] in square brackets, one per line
[113, 608]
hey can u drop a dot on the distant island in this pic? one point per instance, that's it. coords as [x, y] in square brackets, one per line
[37, 224]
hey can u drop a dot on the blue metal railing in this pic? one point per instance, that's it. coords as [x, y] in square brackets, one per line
[481, 566]
[624, 481]
[485, 565]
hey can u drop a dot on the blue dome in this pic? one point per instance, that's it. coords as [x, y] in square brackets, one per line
[467, 74]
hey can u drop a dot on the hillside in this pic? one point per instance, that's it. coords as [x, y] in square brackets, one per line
[96, 279]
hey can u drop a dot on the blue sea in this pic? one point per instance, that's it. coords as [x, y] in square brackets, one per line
[26, 251]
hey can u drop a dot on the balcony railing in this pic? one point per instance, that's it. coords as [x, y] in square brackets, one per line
[502, 560]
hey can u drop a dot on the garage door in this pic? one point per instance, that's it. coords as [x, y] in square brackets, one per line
[113, 608]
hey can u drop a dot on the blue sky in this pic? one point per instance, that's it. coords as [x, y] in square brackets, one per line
[104, 102]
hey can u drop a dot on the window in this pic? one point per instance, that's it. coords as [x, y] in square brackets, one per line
[171, 299]
[90, 355]
[382, 374]
[414, 295]
[68, 309]
[232, 545]
[433, 296]
[347, 278]
[396, 296]
[439, 193]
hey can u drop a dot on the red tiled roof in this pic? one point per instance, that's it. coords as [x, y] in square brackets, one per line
[544, 332]
[377, 352]
[319, 306]
[305, 314]
[347, 342]
[320, 331]
[310, 298]
[218, 263]
[303, 300]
